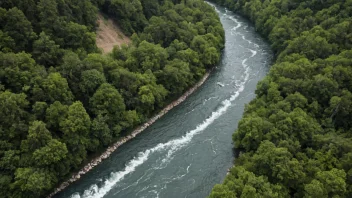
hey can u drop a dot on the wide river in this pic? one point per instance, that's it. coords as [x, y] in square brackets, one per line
[188, 151]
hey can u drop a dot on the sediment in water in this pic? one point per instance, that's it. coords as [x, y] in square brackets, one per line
[137, 131]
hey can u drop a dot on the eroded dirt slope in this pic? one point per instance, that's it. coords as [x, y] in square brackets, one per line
[109, 34]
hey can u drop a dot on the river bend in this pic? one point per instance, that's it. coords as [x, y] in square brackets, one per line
[188, 151]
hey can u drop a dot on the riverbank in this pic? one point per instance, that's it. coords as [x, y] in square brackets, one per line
[123, 140]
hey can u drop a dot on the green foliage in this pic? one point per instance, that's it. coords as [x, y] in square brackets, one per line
[296, 133]
[328, 184]
[107, 101]
[7, 43]
[56, 88]
[176, 76]
[17, 26]
[49, 16]
[221, 191]
[101, 130]
[13, 116]
[75, 130]
[55, 114]
[61, 99]
[50, 154]
[33, 181]
[45, 51]
[38, 136]
[90, 81]
[147, 56]
[129, 13]
[18, 71]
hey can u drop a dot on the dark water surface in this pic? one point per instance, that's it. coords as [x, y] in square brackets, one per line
[188, 151]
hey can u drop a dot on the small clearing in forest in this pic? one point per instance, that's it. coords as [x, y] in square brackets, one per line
[109, 34]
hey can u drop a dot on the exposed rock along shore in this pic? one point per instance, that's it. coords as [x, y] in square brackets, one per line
[137, 131]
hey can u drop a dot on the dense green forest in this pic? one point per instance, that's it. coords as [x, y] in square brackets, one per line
[295, 137]
[61, 100]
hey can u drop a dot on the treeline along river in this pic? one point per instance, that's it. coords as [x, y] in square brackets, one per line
[188, 151]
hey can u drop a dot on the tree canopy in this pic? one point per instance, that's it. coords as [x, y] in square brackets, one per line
[62, 100]
[295, 136]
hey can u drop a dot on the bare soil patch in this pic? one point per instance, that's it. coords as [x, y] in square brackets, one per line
[109, 34]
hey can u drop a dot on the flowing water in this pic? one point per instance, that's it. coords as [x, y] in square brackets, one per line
[188, 151]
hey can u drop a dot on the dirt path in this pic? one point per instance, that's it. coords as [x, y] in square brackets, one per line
[109, 34]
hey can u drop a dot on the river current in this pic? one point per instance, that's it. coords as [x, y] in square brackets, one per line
[188, 151]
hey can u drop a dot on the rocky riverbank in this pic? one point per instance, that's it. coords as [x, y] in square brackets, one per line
[138, 130]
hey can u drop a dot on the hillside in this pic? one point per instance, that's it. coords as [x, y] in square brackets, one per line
[62, 100]
[109, 34]
[295, 137]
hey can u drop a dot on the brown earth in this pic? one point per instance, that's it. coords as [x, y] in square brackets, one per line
[109, 34]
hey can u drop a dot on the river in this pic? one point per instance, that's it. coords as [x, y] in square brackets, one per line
[188, 151]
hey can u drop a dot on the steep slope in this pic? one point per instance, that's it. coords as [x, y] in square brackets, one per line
[61, 101]
[109, 34]
[295, 137]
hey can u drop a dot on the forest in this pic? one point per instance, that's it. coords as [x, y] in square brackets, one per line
[295, 137]
[62, 100]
